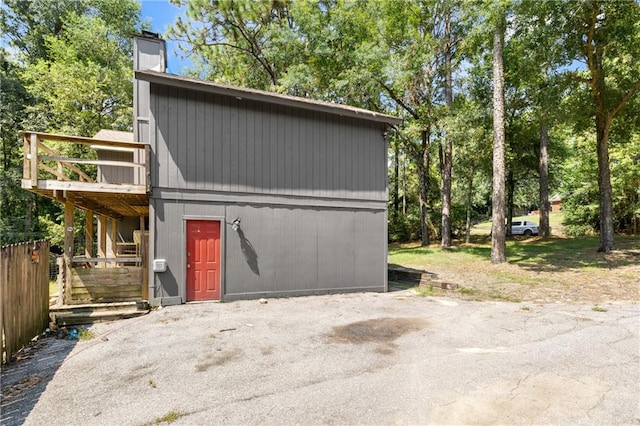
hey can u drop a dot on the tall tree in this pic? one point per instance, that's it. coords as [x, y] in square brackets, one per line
[448, 149]
[544, 229]
[606, 35]
[16, 205]
[498, 246]
[86, 82]
[538, 28]
[240, 42]
[421, 40]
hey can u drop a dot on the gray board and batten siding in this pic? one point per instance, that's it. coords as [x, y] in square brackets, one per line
[307, 179]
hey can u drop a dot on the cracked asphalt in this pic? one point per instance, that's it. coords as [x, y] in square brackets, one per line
[392, 358]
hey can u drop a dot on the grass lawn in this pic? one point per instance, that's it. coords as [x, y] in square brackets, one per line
[554, 254]
[564, 269]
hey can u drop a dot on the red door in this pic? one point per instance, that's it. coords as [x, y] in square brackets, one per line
[203, 260]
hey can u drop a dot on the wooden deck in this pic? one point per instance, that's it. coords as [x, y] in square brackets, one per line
[90, 183]
[49, 173]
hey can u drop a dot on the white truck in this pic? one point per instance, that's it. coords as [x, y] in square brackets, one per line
[524, 227]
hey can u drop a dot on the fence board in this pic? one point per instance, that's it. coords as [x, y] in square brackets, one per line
[24, 294]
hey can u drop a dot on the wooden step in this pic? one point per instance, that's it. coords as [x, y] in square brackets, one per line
[80, 318]
[97, 307]
[417, 277]
[96, 312]
[410, 276]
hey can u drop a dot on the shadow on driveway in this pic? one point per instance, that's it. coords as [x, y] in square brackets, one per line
[23, 381]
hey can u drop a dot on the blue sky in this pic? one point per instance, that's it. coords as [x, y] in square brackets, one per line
[161, 13]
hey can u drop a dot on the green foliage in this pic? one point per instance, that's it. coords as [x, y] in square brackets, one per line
[69, 71]
[238, 42]
[581, 188]
[52, 230]
[85, 334]
[170, 417]
[87, 83]
[625, 180]
[17, 207]
[405, 228]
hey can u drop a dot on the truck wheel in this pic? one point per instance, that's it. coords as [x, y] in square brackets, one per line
[528, 232]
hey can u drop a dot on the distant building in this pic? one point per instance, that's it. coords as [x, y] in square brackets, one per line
[556, 203]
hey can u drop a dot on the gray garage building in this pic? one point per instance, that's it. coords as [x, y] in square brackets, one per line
[256, 194]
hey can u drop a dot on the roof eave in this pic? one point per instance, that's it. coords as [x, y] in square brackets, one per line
[262, 96]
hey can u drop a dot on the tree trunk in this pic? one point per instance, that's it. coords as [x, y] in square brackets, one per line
[544, 230]
[404, 185]
[396, 180]
[498, 247]
[423, 183]
[448, 147]
[604, 184]
[603, 121]
[446, 194]
[594, 52]
[510, 189]
[467, 234]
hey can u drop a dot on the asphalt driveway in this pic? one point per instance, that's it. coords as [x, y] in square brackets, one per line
[392, 358]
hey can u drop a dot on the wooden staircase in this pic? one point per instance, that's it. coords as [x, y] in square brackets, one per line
[417, 277]
[67, 315]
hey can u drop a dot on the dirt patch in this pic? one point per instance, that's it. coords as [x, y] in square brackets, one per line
[19, 388]
[218, 358]
[139, 372]
[378, 330]
[266, 350]
[513, 283]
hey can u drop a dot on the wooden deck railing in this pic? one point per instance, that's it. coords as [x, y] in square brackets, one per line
[47, 169]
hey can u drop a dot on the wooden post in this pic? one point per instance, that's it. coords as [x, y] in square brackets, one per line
[34, 160]
[113, 237]
[60, 280]
[147, 168]
[102, 239]
[68, 229]
[68, 247]
[143, 256]
[26, 161]
[88, 234]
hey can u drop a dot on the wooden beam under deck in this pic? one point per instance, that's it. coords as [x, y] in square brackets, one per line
[112, 205]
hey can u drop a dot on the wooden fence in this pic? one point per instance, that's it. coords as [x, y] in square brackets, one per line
[24, 294]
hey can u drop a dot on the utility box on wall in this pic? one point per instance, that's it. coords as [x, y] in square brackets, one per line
[159, 265]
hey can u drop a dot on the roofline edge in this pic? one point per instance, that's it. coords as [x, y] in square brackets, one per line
[263, 96]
